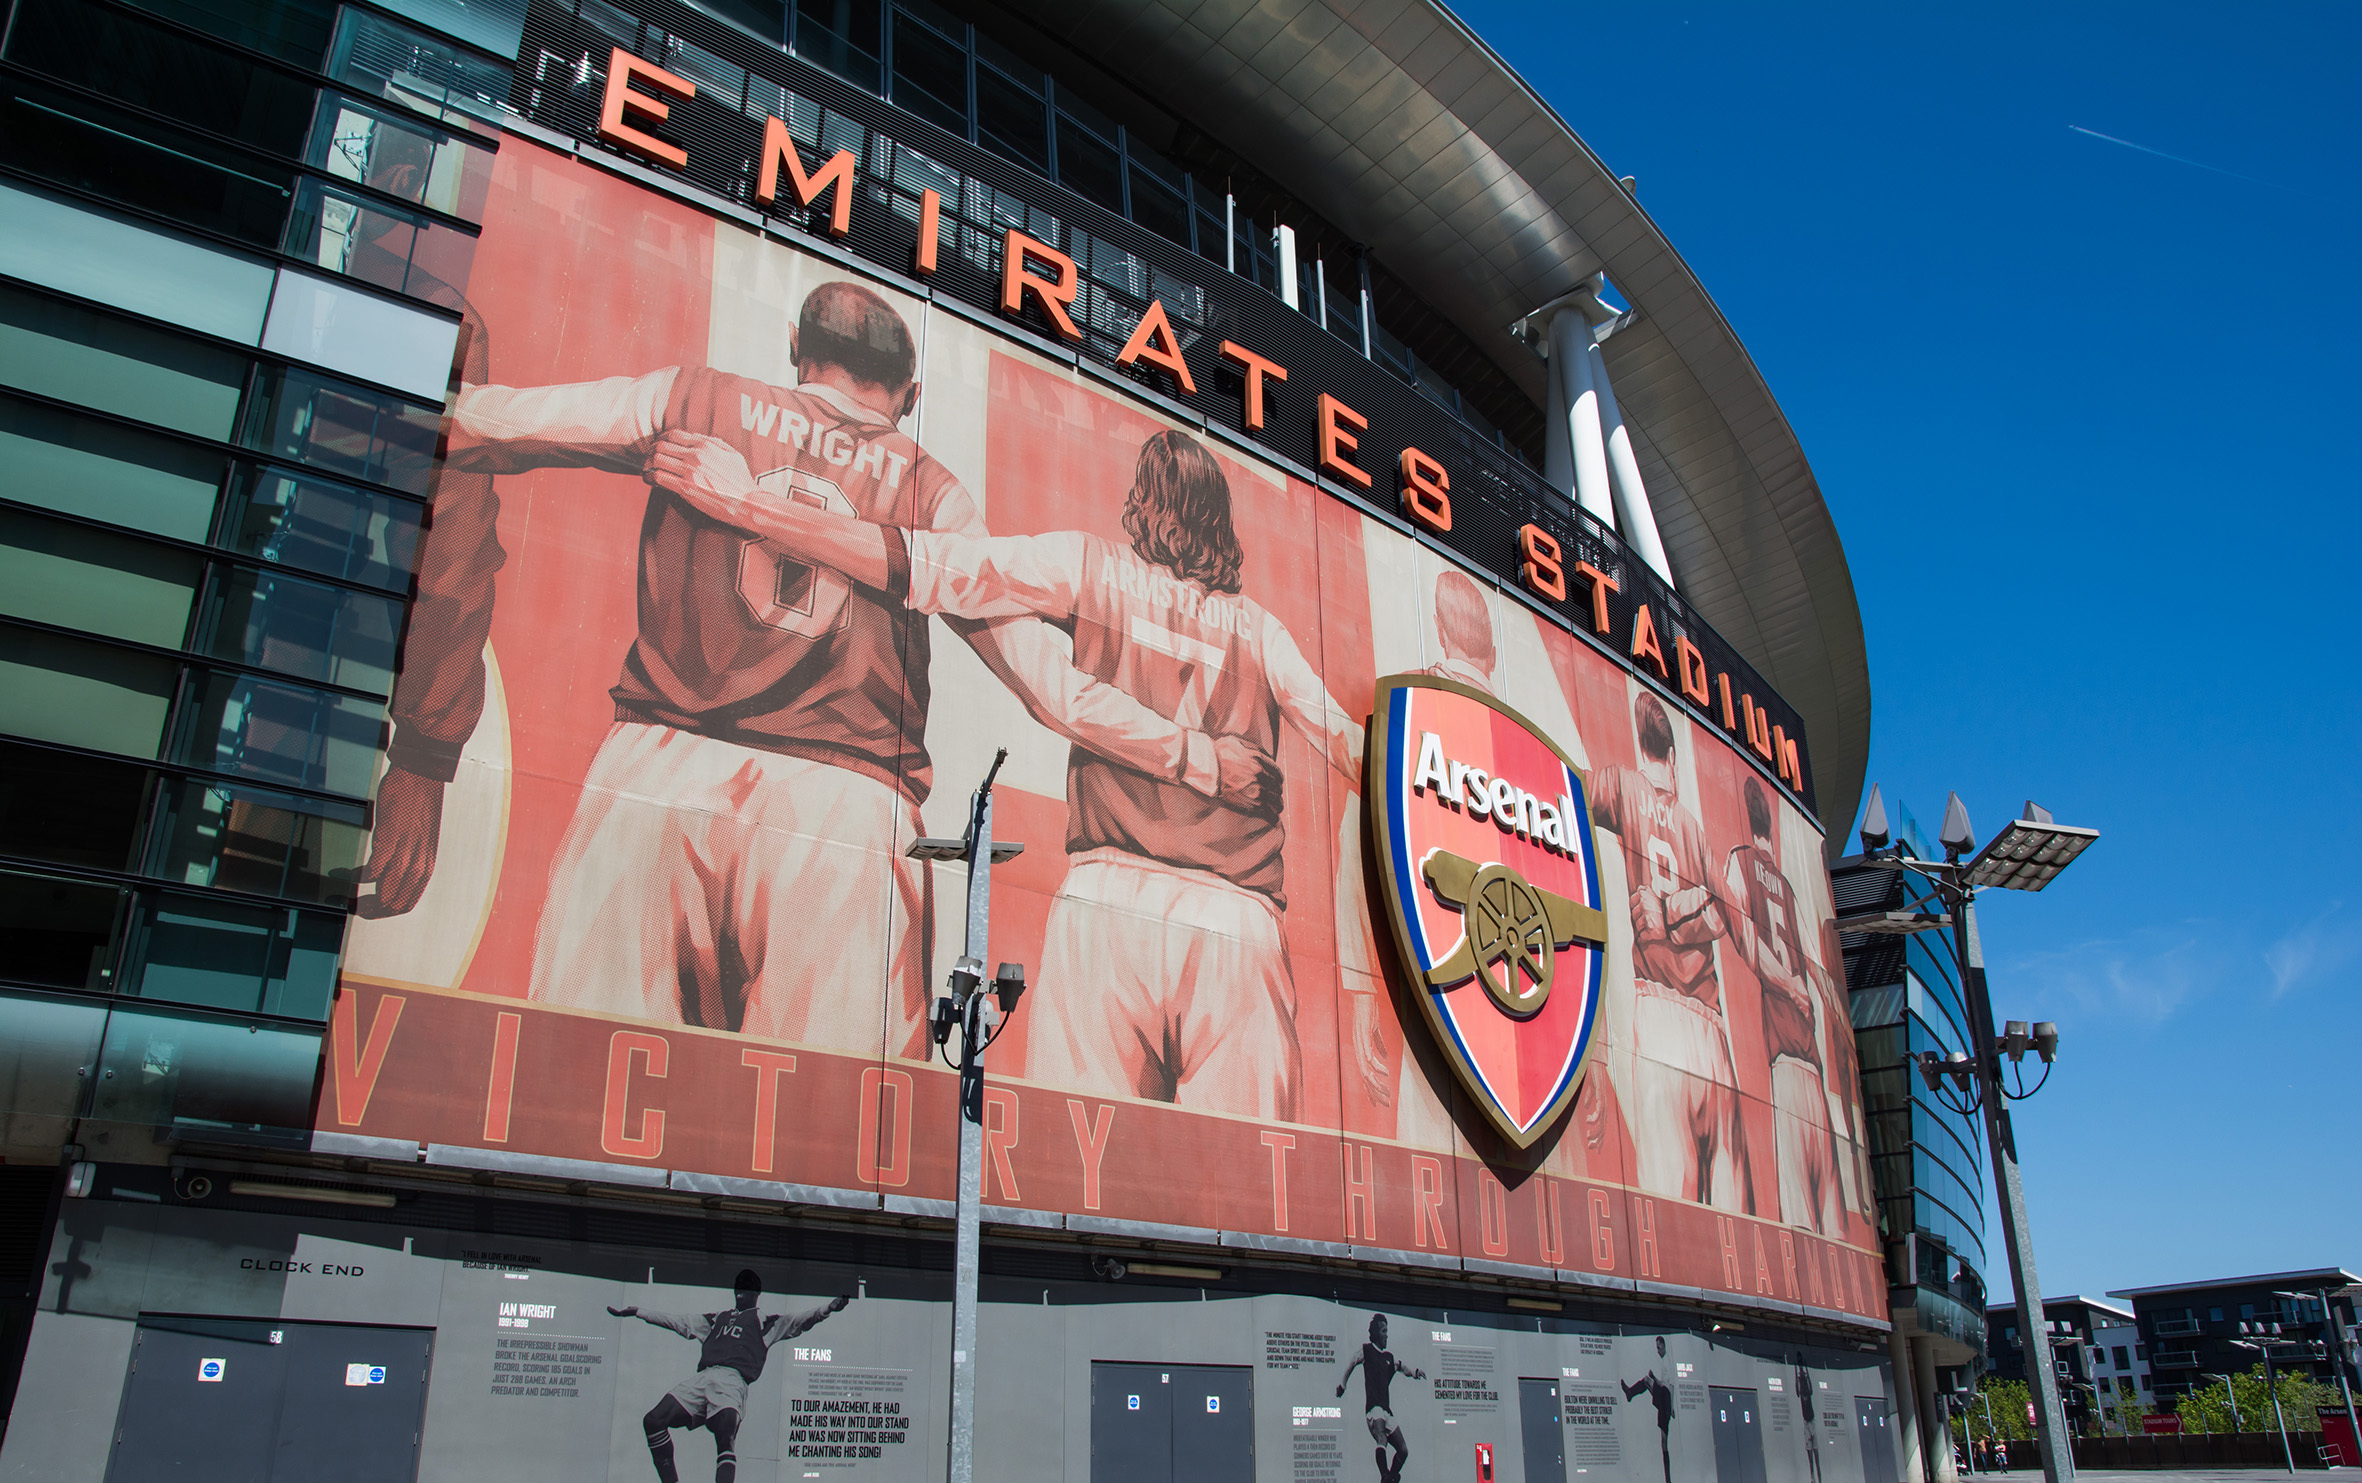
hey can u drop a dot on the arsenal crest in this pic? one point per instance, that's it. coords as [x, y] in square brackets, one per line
[1484, 842]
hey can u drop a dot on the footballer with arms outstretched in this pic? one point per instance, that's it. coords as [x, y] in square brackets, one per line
[1165, 971]
[1687, 1137]
[1792, 1028]
[732, 1347]
[767, 758]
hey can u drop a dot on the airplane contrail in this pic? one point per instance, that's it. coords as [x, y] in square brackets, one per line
[2182, 160]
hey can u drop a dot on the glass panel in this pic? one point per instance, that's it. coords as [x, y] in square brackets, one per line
[497, 26]
[843, 36]
[96, 581]
[76, 354]
[391, 61]
[321, 527]
[1081, 110]
[303, 628]
[197, 1075]
[253, 840]
[1012, 121]
[92, 146]
[1087, 165]
[297, 414]
[292, 30]
[402, 156]
[359, 334]
[346, 233]
[144, 64]
[235, 956]
[70, 809]
[82, 694]
[83, 466]
[1158, 209]
[48, 1052]
[1144, 158]
[281, 733]
[766, 18]
[60, 933]
[935, 70]
[134, 268]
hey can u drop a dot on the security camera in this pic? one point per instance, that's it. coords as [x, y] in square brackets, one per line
[1109, 1268]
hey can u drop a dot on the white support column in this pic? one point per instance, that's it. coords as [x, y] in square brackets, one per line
[1576, 406]
[1903, 1425]
[1636, 518]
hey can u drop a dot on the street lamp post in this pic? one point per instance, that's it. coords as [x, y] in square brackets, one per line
[2230, 1397]
[2333, 1345]
[2260, 1338]
[2025, 856]
[978, 1017]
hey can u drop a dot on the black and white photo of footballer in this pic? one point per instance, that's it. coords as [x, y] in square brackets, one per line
[1804, 1405]
[1378, 1368]
[732, 1346]
[1660, 1394]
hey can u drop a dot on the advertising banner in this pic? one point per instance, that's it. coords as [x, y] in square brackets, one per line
[743, 565]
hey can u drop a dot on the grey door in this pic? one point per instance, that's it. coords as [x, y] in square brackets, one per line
[1738, 1436]
[1172, 1423]
[1213, 1424]
[1877, 1437]
[1542, 1431]
[256, 1401]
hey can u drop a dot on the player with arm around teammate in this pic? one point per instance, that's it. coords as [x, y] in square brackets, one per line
[1378, 1368]
[1687, 1137]
[767, 758]
[1165, 972]
[732, 1347]
[1792, 1028]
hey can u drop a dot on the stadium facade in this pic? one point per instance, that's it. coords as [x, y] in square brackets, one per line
[522, 514]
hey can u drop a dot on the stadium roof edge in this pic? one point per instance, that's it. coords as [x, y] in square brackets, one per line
[1402, 127]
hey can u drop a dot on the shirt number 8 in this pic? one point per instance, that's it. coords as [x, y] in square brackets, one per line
[784, 593]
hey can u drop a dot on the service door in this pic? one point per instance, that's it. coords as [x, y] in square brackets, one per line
[1877, 1437]
[1213, 1424]
[1738, 1437]
[213, 1400]
[1542, 1431]
[1172, 1423]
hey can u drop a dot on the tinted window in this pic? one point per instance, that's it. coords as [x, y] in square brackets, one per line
[843, 36]
[292, 30]
[80, 693]
[95, 580]
[193, 1073]
[280, 733]
[60, 933]
[931, 76]
[299, 415]
[1087, 165]
[91, 146]
[1011, 120]
[164, 71]
[63, 350]
[264, 843]
[71, 809]
[318, 526]
[87, 467]
[307, 629]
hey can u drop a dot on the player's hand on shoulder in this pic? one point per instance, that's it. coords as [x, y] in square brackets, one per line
[1340, 1387]
[1246, 777]
[707, 472]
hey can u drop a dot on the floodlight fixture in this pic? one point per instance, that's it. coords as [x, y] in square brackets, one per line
[1958, 836]
[2029, 854]
[1008, 986]
[2016, 1039]
[937, 849]
[1875, 834]
[2046, 1040]
[967, 976]
[1894, 923]
[1005, 850]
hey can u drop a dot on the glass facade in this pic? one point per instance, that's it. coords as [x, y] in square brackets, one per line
[228, 314]
[1928, 1162]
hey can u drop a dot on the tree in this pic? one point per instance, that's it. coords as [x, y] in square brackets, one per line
[2209, 1408]
[2004, 1403]
[2124, 1406]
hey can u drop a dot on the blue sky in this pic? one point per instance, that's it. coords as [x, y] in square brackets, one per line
[2085, 416]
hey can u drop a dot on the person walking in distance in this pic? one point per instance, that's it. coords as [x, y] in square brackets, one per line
[732, 1346]
[1661, 1395]
[1378, 1368]
[1164, 967]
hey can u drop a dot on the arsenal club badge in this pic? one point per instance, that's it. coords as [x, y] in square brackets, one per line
[1484, 842]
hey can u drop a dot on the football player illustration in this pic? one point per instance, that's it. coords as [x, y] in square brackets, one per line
[1793, 1031]
[1687, 1137]
[1378, 1368]
[731, 1349]
[1165, 971]
[1660, 1395]
[767, 754]
[1804, 1406]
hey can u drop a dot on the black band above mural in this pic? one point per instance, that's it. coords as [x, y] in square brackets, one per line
[924, 201]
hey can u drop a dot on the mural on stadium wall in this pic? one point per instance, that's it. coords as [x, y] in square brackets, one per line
[741, 568]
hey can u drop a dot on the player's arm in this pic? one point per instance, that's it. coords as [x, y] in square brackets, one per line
[1304, 700]
[608, 424]
[1734, 885]
[1348, 1375]
[779, 1326]
[691, 1326]
[1605, 793]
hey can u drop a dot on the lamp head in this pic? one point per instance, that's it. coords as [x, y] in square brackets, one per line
[1958, 837]
[2046, 1040]
[1008, 986]
[1875, 834]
